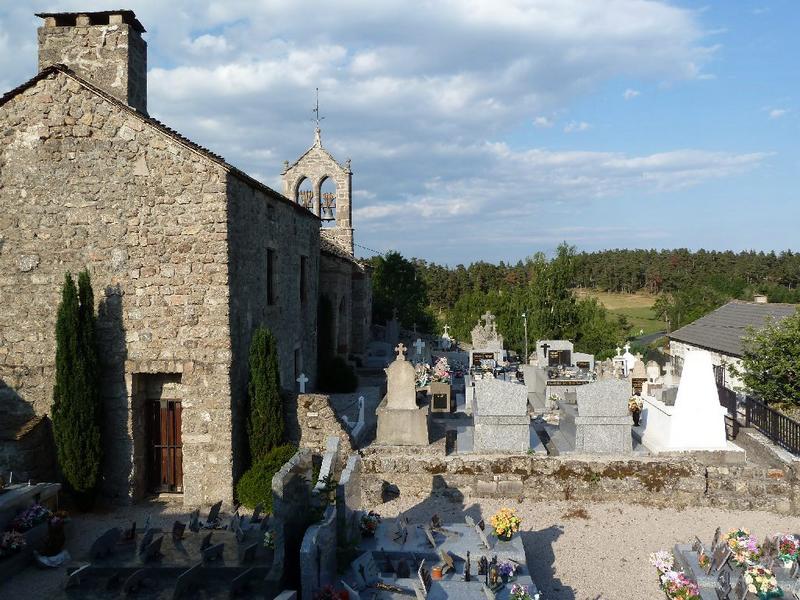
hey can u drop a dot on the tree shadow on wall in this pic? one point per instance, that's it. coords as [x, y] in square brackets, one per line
[113, 352]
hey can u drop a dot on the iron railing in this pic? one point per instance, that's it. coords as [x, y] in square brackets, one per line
[782, 430]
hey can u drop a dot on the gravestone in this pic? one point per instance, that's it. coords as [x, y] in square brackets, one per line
[177, 530]
[135, 581]
[552, 353]
[348, 501]
[214, 553]
[603, 423]
[213, 516]
[153, 550]
[106, 544]
[318, 555]
[487, 343]
[194, 520]
[400, 421]
[187, 581]
[440, 397]
[500, 415]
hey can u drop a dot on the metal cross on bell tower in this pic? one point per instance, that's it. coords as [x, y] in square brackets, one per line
[317, 119]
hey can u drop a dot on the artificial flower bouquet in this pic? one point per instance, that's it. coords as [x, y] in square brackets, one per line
[520, 592]
[269, 540]
[29, 518]
[369, 523]
[761, 581]
[674, 583]
[11, 542]
[635, 404]
[441, 371]
[788, 548]
[422, 375]
[507, 569]
[744, 546]
[505, 523]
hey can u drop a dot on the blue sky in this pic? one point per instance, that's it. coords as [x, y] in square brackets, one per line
[493, 130]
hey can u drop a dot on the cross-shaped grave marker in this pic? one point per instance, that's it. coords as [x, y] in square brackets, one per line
[545, 347]
[419, 345]
[447, 331]
[401, 351]
[302, 380]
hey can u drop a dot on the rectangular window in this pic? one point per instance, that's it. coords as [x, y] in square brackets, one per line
[303, 291]
[270, 276]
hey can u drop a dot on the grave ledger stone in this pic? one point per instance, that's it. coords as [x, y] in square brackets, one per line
[400, 421]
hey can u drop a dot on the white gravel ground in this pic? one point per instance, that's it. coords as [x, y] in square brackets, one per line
[604, 557]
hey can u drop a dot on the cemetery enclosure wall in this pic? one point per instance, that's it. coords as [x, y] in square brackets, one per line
[311, 419]
[86, 183]
[664, 483]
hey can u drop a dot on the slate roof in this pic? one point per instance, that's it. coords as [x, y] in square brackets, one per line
[58, 68]
[722, 330]
[332, 249]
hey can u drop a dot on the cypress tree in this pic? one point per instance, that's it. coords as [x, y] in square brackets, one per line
[265, 426]
[76, 397]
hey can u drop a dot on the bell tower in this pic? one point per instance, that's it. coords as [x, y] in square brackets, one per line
[313, 170]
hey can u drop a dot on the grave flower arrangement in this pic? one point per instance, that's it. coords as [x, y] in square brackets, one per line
[788, 548]
[422, 375]
[269, 540]
[635, 404]
[29, 518]
[441, 371]
[520, 592]
[761, 581]
[744, 546]
[674, 583]
[11, 542]
[369, 523]
[505, 523]
[507, 570]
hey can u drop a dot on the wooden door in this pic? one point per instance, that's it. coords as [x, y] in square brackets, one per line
[166, 449]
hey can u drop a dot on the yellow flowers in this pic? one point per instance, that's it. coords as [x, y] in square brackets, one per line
[505, 522]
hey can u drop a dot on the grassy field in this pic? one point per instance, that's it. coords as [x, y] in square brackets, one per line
[638, 308]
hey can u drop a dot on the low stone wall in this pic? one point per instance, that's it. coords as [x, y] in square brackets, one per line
[675, 483]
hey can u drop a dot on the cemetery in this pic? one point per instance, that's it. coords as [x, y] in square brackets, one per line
[223, 417]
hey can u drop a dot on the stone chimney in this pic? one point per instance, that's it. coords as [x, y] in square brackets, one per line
[105, 48]
[760, 299]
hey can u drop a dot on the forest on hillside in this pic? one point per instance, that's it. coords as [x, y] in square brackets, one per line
[687, 285]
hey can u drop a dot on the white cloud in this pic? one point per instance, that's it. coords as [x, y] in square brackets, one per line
[630, 94]
[543, 122]
[577, 127]
[777, 113]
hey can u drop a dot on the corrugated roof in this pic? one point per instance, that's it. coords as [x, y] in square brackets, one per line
[158, 125]
[128, 16]
[722, 330]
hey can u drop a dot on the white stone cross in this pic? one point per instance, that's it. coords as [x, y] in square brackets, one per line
[619, 351]
[401, 351]
[302, 380]
[419, 345]
[447, 331]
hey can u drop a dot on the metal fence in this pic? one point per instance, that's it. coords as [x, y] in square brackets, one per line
[750, 412]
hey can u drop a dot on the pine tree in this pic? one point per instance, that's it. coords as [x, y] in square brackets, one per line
[265, 426]
[76, 396]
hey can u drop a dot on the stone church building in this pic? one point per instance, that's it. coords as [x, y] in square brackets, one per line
[187, 255]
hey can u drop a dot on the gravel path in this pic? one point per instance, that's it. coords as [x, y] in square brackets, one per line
[599, 554]
[604, 556]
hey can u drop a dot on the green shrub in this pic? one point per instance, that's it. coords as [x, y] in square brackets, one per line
[255, 486]
[77, 408]
[337, 377]
[265, 426]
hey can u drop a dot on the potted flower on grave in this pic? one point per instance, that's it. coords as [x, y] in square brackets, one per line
[507, 570]
[744, 546]
[11, 542]
[675, 584]
[34, 515]
[788, 549]
[56, 536]
[635, 406]
[520, 592]
[761, 581]
[505, 523]
[369, 523]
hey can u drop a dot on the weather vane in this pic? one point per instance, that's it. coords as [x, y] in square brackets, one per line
[315, 110]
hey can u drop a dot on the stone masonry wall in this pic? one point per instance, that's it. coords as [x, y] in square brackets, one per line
[335, 283]
[259, 223]
[664, 483]
[310, 420]
[84, 183]
[113, 57]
